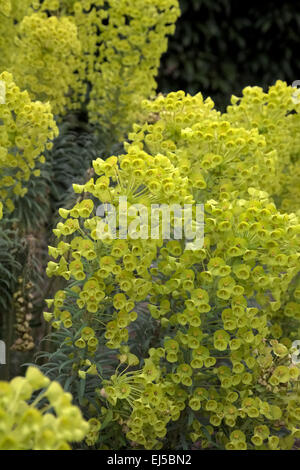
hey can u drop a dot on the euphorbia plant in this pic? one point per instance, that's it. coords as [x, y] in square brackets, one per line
[217, 157]
[104, 55]
[27, 129]
[219, 359]
[44, 421]
[275, 115]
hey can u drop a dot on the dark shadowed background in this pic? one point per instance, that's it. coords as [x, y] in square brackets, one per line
[221, 46]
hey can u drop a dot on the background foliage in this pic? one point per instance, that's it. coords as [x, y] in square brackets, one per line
[204, 359]
[218, 49]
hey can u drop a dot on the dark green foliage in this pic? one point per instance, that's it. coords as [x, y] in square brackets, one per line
[222, 46]
[70, 158]
[10, 247]
[78, 144]
[33, 210]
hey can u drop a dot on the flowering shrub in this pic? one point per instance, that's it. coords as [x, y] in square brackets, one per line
[59, 59]
[275, 115]
[214, 155]
[219, 363]
[161, 342]
[106, 49]
[5, 7]
[122, 66]
[46, 58]
[62, 48]
[11, 13]
[47, 54]
[26, 130]
[26, 427]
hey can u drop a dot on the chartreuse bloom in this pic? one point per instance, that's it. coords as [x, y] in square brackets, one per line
[115, 47]
[11, 13]
[217, 156]
[122, 66]
[27, 419]
[5, 7]
[275, 115]
[36, 46]
[26, 130]
[111, 48]
[48, 47]
[223, 344]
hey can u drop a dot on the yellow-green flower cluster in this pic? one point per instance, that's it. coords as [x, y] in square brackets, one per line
[231, 367]
[47, 54]
[142, 179]
[217, 157]
[11, 13]
[290, 194]
[26, 130]
[226, 314]
[59, 49]
[47, 421]
[275, 115]
[5, 7]
[122, 45]
[43, 52]
[269, 113]
[149, 403]
[93, 434]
